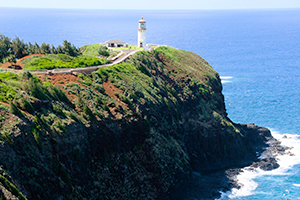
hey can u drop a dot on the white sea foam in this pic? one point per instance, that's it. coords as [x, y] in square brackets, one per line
[226, 79]
[286, 162]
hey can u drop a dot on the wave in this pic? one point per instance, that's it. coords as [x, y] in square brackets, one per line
[286, 162]
[226, 79]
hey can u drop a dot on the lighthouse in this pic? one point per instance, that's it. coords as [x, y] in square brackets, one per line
[142, 33]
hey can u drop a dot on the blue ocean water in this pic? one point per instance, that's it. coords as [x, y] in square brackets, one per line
[256, 52]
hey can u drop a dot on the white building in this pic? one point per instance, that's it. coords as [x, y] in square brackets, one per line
[142, 33]
[114, 43]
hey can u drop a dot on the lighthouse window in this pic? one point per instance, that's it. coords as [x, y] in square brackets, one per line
[141, 44]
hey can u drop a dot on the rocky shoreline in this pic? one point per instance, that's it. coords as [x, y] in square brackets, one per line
[208, 185]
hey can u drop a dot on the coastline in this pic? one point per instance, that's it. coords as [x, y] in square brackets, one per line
[282, 152]
[226, 183]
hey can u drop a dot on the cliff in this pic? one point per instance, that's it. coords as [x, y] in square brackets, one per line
[137, 130]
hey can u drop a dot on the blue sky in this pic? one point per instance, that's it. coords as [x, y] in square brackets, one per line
[152, 4]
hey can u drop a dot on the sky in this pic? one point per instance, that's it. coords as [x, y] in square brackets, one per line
[152, 4]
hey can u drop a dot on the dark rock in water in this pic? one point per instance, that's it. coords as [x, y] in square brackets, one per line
[268, 164]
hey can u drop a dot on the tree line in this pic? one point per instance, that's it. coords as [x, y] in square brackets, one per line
[10, 50]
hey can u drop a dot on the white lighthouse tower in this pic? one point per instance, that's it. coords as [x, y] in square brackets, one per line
[142, 33]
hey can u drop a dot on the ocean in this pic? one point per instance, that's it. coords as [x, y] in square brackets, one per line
[256, 53]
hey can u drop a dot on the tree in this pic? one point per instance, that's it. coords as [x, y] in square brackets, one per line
[10, 58]
[45, 48]
[53, 49]
[60, 49]
[5, 49]
[31, 48]
[103, 50]
[37, 48]
[19, 48]
[70, 49]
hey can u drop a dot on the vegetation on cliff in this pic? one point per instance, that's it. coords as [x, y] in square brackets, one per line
[62, 56]
[62, 61]
[135, 130]
[17, 48]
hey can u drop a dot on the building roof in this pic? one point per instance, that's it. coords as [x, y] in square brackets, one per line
[142, 20]
[115, 41]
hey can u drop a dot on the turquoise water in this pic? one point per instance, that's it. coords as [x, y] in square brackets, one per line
[256, 52]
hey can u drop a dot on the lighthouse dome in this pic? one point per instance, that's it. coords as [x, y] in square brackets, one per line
[142, 20]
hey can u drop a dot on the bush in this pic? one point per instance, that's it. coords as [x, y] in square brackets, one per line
[10, 58]
[26, 105]
[57, 93]
[103, 50]
[80, 102]
[12, 188]
[100, 88]
[97, 77]
[88, 114]
[14, 109]
[98, 100]
[58, 111]
[123, 98]
[74, 117]
[35, 88]
[26, 75]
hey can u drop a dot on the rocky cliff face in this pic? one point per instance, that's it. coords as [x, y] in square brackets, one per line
[137, 130]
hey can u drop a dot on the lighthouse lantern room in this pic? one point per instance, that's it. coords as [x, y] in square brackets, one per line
[142, 33]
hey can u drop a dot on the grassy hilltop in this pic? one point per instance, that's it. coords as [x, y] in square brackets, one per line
[135, 130]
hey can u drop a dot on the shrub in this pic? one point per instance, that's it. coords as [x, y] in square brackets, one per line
[106, 108]
[26, 75]
[12, 188]
[60, 126]
[88, 114]
[98, 100]
[97, 77]
[35, 88]
[14, 109]
[74, 117]
[104, 75]
[100, 88]
[103, 50]
[58, 111]
[123, 98]
[80, 102]
[57, 93]
[26, 105]
[133, 96]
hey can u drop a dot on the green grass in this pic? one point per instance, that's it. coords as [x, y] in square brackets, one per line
[93, 50]
[9, 76]
[26, 60]
[90, 50]
[9, 84]
[63, 61]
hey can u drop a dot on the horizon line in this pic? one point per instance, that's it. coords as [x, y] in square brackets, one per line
[157, 9]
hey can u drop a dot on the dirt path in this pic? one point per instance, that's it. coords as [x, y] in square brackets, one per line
[19, 62]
